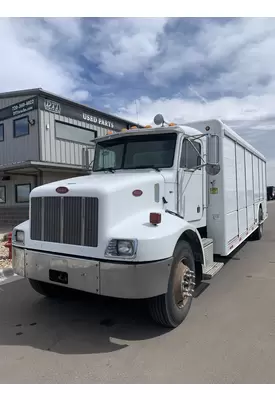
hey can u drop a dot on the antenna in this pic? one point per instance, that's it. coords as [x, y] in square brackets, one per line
[197, 94]
[137, 112]
[202, 99]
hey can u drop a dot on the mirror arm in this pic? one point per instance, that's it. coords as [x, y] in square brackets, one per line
[190, 141]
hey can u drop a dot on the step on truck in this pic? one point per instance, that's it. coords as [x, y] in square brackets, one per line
[149, 220]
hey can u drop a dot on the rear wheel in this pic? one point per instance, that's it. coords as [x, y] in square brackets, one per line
[46, 289]
[171, 308]
[257, 235]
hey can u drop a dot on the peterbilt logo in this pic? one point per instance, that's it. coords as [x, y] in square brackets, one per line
[52, 106]
[62, 190]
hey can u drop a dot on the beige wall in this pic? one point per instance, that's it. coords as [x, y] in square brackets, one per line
[49, 177]
[12, 213]
[10, 185]
[10, 189]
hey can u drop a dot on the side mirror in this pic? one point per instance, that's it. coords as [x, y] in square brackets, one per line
[213, 155]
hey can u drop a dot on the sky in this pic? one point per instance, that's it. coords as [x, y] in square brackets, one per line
[185, 68]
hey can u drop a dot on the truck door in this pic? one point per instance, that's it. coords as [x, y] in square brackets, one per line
[191, 181]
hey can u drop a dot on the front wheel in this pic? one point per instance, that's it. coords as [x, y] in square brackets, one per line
[171, 308]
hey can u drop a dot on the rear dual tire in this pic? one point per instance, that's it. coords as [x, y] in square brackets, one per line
[171, 308]
[258, 234]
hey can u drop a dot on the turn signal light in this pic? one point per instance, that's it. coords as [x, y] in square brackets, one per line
[148, 126]
[172, 124]
[133, 127]
[155, 218]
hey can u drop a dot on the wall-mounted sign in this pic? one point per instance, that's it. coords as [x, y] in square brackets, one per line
[52, 106]
[98, 121]
[23, 107]
[18, 109]
[78, 113]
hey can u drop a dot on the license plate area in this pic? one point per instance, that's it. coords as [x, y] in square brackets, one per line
[58, 276]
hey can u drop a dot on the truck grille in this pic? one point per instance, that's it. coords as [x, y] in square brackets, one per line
[68, 220]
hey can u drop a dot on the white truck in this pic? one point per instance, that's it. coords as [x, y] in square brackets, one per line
[159, 203]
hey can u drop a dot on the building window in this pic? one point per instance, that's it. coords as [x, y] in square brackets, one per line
[21, 127]
[22, 193]
[2, 194]
[1, 132]
[190, 158]
[73, 133]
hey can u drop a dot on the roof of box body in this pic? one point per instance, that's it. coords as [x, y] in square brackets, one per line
[41, 92]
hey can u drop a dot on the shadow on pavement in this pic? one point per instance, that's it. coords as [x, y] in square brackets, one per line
[77, 323]
[74, 324]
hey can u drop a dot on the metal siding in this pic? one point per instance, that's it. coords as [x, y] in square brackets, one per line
[23, 148]
[12, 100]
[63, 151]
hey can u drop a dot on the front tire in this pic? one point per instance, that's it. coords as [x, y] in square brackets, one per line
[171, 308]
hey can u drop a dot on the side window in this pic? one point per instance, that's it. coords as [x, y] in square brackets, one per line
[22, 193]
[21, 127]
[2, 194]
[1, 132]
[189, 156]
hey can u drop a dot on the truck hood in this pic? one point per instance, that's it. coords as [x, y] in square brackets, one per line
[99, 183]
[114, 192]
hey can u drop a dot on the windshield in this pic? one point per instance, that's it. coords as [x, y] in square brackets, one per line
[136, 152]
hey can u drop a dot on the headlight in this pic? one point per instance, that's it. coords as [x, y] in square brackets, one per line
[18, 236]
[122, 248]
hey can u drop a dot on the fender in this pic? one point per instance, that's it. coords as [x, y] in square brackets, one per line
[158, 242]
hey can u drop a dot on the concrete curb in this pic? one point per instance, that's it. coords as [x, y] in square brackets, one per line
[6, 272]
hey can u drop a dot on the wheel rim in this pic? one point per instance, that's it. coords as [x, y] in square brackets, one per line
[183, 284]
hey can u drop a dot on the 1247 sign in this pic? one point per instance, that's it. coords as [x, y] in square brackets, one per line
[52, 106]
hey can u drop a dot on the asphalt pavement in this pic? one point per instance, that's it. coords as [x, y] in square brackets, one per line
[228, 336]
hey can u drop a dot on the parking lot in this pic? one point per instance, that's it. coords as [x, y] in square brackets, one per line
[228, 337]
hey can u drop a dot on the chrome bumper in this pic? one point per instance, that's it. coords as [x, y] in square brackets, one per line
[131, 281]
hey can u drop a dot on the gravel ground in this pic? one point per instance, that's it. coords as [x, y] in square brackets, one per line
[4, 253]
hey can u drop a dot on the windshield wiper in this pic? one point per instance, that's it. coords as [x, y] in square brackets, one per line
[106, 169]
[147, 166]
[110, 170]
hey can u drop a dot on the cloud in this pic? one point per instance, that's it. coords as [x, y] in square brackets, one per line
[186, 69]
[248, 116]
[32, 60]
[125, 45]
